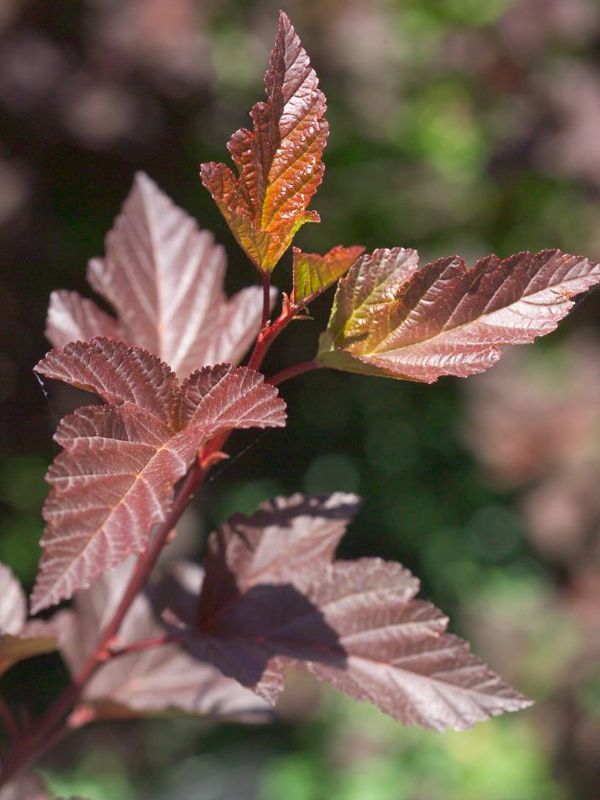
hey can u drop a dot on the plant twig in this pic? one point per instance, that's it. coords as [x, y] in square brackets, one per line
[291, 372]
[266, 312]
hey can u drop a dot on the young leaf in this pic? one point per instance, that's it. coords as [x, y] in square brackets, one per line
[393, 318]
[279, 161]
[148, 681]
[115, 478]
[164, 277]
[19, 639]
[313, 274]
[355, 625]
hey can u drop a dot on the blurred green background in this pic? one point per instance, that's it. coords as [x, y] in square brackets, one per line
[464, 126]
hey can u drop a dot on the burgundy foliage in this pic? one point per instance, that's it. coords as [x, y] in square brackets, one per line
[147, 681]
[116, 475]
[391, 317]
[164, 277]
[274, 598]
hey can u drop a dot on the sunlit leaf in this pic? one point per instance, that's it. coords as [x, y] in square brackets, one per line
[274, 598]
[391, 317]
[115, 478]
[164, 277]
[313, 274]
[279, 162]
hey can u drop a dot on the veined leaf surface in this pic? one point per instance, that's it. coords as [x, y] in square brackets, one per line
[313, 274]
[354, 624]
[164, 277]
[391, 317]
[115, 478]
[279, 162]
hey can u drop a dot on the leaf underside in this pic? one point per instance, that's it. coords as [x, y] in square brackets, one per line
[115, 478]
[278, 162]
[164, 278]
[151, 681]
[274, 598]
[393, 318]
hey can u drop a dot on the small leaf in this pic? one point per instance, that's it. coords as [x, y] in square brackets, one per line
[274, 599]
[313, 274]
[164, 277]
[115, 478]
[150, 681]
[18, 638]
[279, 161]
[393, 318]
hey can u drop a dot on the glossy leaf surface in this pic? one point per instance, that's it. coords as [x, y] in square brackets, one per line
[274, 598]
[278, 162]
[164, 277]
[153, 680]
[393, 318]
[313, 274]
[19, 639]
[114, 479]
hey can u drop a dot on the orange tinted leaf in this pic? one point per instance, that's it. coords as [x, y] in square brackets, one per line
[278, 162]
[313, 274]
[391, 317]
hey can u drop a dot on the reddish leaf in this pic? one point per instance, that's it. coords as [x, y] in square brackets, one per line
[164, 277]
[279, 161]
[115, 477]
[18, 638]
[355, 624]
[392, 318]
[147, 681]
[313, 274]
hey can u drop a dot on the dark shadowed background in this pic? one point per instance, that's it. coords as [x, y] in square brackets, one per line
[456, 126]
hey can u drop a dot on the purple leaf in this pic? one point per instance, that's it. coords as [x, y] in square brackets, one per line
[393, 318]
[115, 478]
[164, 277]
[149, 681]
[355, 624]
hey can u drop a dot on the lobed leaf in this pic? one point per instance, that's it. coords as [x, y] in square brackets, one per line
[313, 274]
[278, 162]
[149, 681]
[18, 638]
[115, 478]
[391, 317]
[164, 277]
[274, 599]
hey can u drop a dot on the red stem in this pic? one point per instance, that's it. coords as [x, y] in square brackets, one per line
[145, 644]
[266, 312]
[35, 741]
[291, 372]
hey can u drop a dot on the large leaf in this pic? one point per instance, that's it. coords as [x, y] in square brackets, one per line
[279, 162]
[148, 681]
[115, 478]
[164, 277]
[19, 639]
[274, 598]
[313, 274]
[391, 317]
